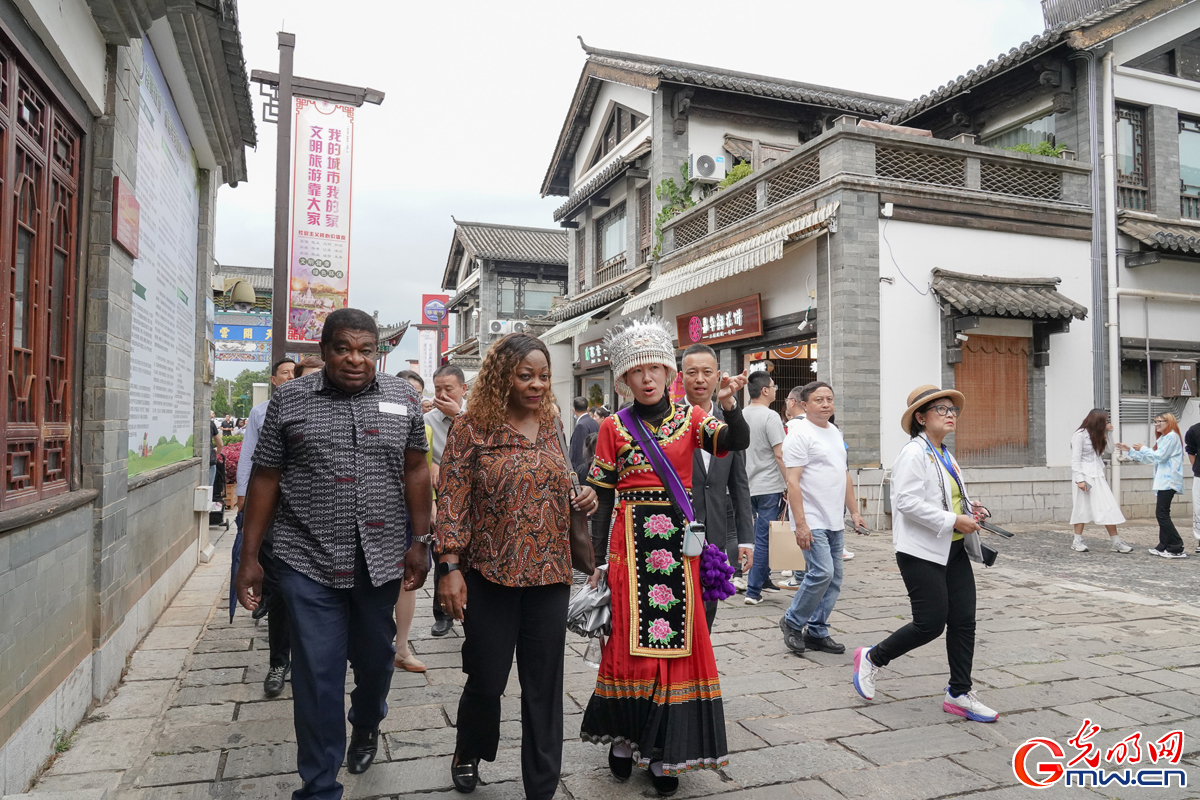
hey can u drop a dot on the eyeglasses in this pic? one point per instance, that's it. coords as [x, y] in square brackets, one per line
[943, 411]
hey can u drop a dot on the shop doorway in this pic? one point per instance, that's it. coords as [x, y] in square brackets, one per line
[792, 364]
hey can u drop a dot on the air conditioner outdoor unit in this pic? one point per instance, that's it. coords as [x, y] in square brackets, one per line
[498, 327]
[518, 326]
[705, 168]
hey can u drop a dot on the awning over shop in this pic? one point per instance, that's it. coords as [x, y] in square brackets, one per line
[1161, 236]
[1019, 298]
[575, 326]
[747, 254]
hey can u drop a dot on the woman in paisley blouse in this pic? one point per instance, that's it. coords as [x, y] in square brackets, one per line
[657, 700]
[503, 528]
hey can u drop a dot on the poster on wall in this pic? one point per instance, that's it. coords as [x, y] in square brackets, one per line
[427, 354]
[319, 257]
[162, 350]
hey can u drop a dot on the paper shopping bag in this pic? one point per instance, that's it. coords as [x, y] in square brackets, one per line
[785, 553]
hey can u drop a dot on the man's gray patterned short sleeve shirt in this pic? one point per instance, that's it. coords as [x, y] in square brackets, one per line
[342, 458]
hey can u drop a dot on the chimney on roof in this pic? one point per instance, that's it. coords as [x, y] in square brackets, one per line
[1063, 12]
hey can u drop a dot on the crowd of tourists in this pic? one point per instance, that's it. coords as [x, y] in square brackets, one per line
[354, 485]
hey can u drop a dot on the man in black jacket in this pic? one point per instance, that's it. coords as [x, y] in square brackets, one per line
[720, 488]
[584, 424]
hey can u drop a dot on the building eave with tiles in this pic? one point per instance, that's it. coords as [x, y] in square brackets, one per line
[107, 105]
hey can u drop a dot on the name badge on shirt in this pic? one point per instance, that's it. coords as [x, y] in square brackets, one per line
[393, 408]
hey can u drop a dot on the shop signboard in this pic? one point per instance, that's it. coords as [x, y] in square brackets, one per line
[428, 354]
[319, 258]
[728, 322]
[593, 354]
[433, 312]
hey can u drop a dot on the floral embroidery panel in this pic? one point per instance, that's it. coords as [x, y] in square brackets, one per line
[662, 602]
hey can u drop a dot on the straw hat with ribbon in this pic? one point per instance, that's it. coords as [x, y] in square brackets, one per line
[922, 395]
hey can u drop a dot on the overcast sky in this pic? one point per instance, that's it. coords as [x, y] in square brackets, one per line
[477, 93]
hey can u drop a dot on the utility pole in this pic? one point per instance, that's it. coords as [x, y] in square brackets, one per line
[280, 89]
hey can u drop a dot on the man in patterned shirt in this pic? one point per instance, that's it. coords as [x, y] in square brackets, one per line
[339, 463]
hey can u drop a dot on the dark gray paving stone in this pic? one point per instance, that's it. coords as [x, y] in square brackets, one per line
[408, 718]
[214, 677]
[915, 780]
[200, 738]
[184, 768]
[894, 746]
[790, 763]
[405, 745]
[815, 726]
[260, 760]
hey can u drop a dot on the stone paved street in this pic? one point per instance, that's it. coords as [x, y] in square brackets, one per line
[1062, 636]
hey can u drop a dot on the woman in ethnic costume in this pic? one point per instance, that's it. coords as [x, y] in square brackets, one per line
[657, 695]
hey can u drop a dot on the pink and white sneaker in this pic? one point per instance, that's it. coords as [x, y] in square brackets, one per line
[968, 705]
[864, 674]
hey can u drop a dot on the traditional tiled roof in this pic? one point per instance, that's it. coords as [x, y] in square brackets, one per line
[1162, 236]
[261, 279]
[388, 333]
[511, 243]
[615, 289]
[1021, 298]
[600, 180]
[748, 83]
[1005, 61]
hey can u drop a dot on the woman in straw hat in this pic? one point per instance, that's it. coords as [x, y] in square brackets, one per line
[936, 537]
[657, 700]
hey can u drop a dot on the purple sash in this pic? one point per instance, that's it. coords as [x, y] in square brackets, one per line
[659, 461]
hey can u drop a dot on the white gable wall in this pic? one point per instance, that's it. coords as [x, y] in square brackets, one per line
[638, 100]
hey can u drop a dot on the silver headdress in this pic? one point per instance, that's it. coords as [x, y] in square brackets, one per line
[632, 344]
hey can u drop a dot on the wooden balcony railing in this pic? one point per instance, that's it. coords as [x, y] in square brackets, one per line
[610, 269]
[1132, 198]
[1189, 206]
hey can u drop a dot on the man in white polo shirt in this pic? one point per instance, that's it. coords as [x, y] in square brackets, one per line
[820, 490]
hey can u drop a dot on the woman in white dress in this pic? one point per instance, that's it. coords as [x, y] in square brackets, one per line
[1093, 499]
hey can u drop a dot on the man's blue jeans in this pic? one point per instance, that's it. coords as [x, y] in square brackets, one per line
[766, 509]
[822, 584]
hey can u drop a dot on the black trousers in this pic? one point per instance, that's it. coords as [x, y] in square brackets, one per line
[329, 627]
[438, 613]
[1168, 536]
[943, 598]
[278, 637]
[533, 622]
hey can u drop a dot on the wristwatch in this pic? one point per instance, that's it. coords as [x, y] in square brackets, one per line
[444, 568]
[426, 539]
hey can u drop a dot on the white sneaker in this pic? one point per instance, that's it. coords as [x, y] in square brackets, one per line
[739, 583]
[1079, 547]
[968, 705]
[1169, 554]
[787, 573]
[846, 554]
[791, 584]
[1120, 547]
[864, 674]
[753, 601]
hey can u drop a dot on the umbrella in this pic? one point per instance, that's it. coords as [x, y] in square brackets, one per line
[233, 567]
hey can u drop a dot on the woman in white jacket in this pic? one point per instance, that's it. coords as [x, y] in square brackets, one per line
[936, 537]
[1093, 501]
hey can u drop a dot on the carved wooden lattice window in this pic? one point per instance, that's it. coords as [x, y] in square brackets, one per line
[645, 225]
[39, 203]
[1131, 158]
[620, 123]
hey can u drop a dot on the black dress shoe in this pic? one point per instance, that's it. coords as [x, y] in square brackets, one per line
[364, 744]
[273, 683]
[823, 643]
[792, 638]
[621, 768]
[665, 785]
[464, 775]
[442, 626]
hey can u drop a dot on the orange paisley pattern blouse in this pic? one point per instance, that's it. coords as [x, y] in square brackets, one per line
[502, 504]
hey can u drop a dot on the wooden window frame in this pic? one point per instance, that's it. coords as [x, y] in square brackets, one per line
[1133, 189]
[624, 120]
[41, 180]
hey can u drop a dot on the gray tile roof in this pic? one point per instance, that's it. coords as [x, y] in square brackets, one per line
[261, 279]
[1038, 44]
[1162, 236]
[1025, 298]
[397, 331]
[600, 180]
[510, 243]
[615, 289]
[748, 83]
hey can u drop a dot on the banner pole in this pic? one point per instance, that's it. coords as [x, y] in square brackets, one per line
[283, 154]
